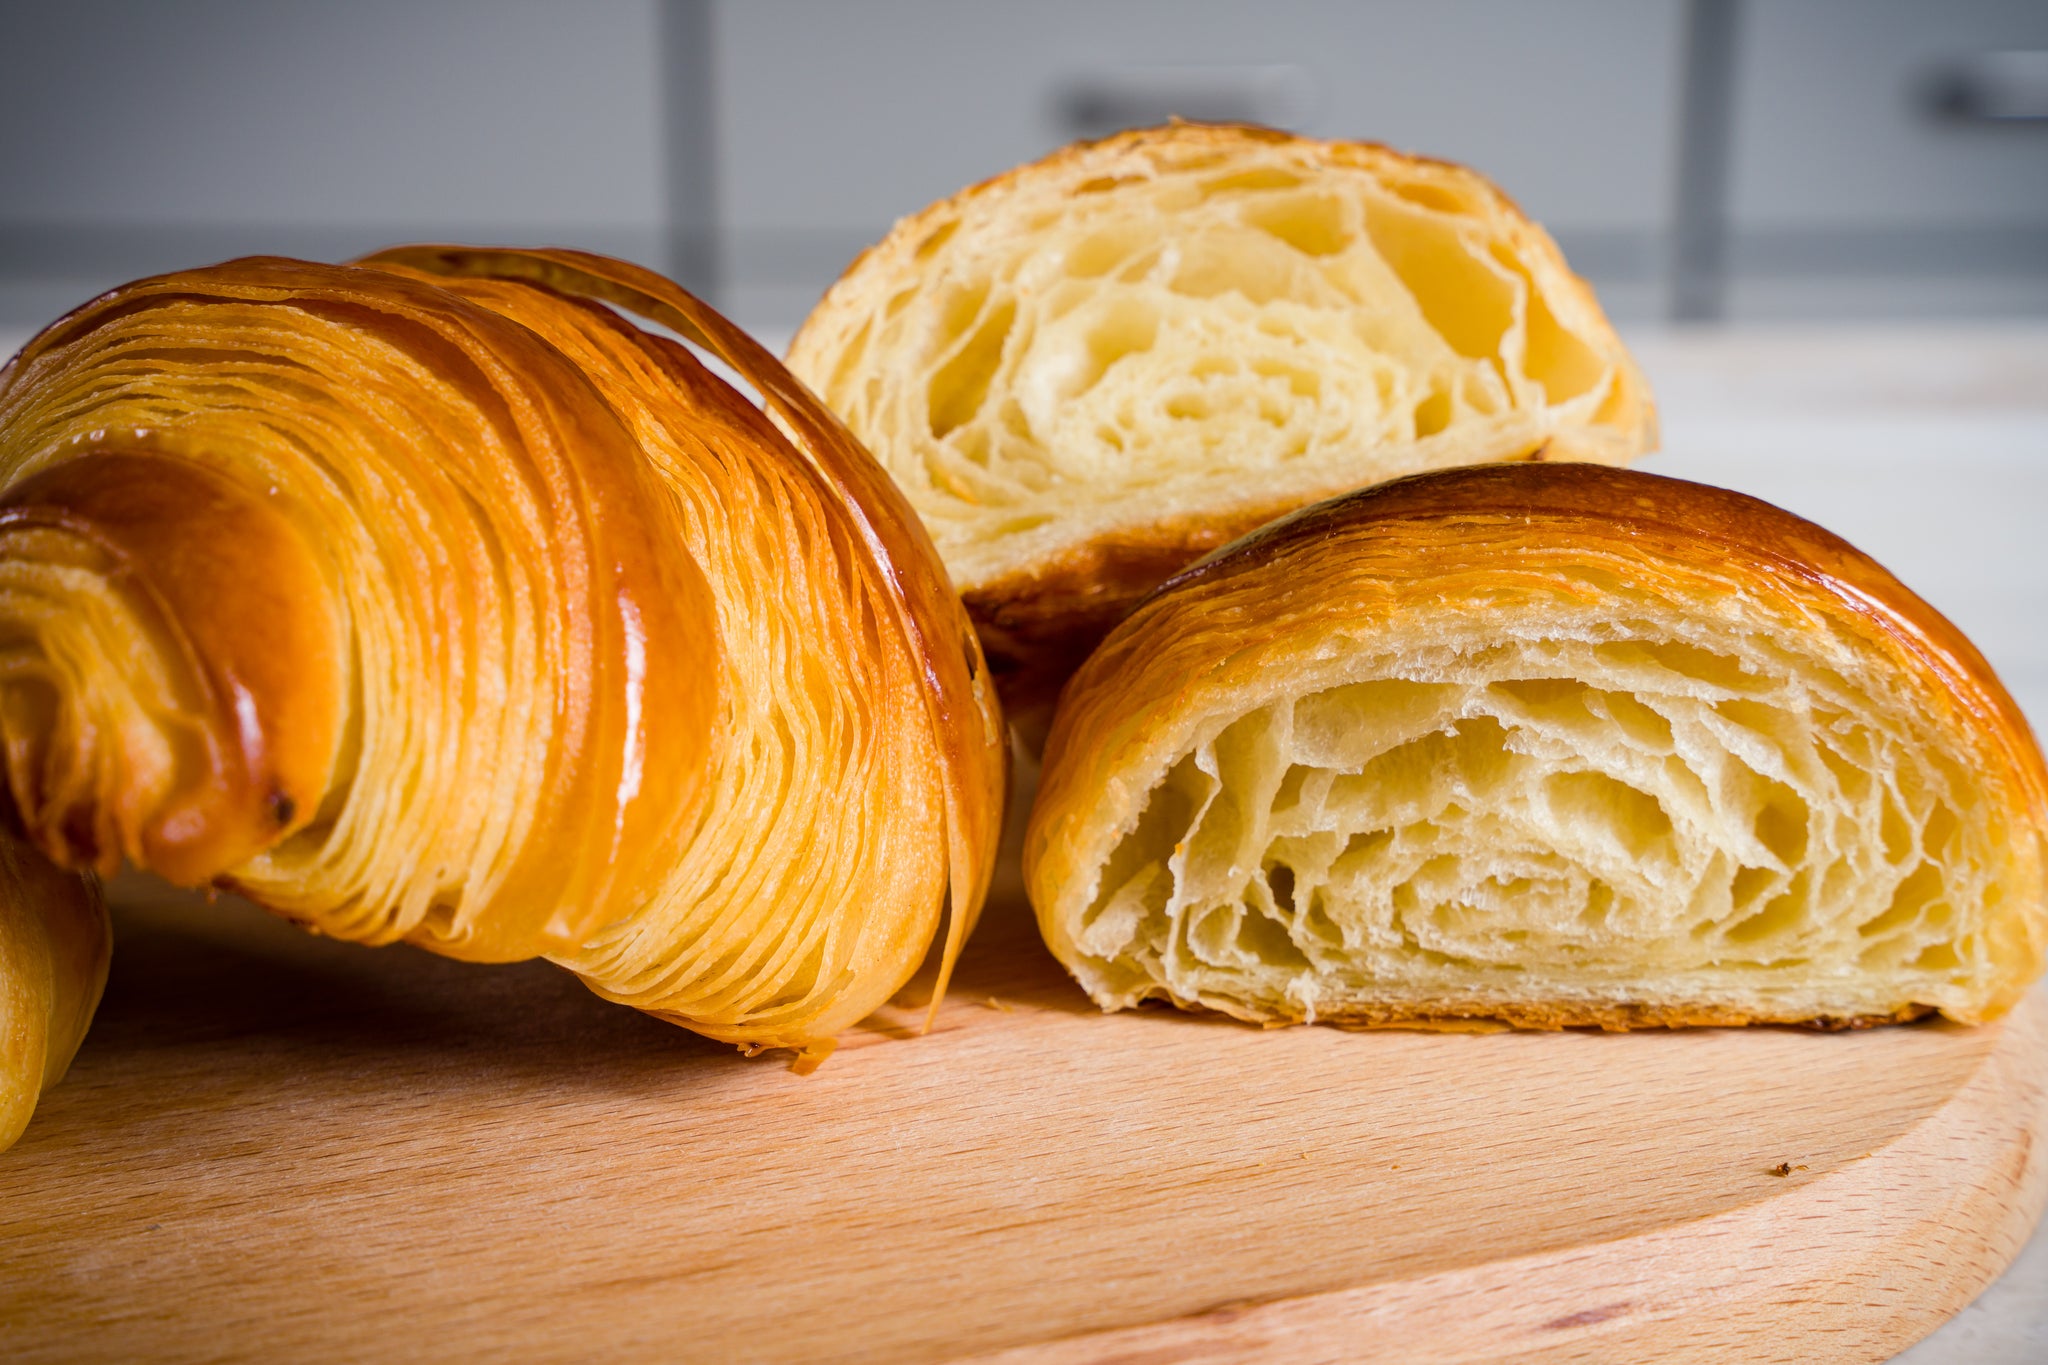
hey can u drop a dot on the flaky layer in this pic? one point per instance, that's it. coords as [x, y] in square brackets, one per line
[1562, 746]
[1095, 368]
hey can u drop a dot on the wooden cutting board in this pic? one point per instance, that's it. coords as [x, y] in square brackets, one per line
[278, 1147]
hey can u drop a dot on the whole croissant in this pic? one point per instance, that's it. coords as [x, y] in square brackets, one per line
[426, 599]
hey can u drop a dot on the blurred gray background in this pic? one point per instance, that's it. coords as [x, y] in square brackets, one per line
[1701, 159]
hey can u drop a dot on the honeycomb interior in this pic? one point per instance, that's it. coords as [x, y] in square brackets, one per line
[1170, 340]
[1619, 820]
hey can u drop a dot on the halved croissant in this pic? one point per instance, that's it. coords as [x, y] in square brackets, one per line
[1549, 744]
[54, 940]
[425, 599]
[1091, 370]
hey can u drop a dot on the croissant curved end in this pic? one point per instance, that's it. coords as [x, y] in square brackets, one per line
[335, 588]
[174, 694]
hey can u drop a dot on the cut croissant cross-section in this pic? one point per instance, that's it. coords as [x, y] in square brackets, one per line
[1091, 370]
[1553, 745]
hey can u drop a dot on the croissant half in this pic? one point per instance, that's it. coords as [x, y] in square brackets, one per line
[1548, 744]
[428, 599]
[1092, 370]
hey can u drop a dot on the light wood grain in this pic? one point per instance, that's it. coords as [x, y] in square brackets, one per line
[275, 1146]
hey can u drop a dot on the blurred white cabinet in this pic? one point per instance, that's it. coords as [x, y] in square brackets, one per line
[834, 119]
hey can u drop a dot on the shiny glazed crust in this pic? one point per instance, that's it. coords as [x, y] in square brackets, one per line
[1095, 368]
[1472, 743]
[429, 599]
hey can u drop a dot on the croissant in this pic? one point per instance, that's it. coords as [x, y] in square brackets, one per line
[54, 941]
[426, 599]
[1091, 370]
[1550, 745]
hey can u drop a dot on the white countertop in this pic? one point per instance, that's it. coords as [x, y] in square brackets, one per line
[1928, 448]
